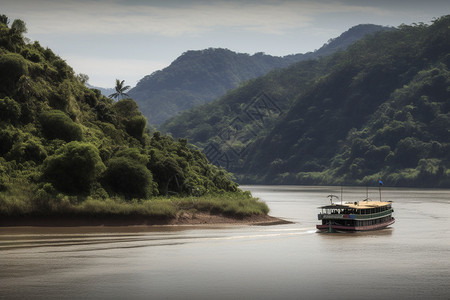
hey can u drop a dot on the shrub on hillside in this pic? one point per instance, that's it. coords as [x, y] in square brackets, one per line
[74, 167]
[12, 66]
[6, 140]
[135, 126]
[129, 178]
[9, 110]
[57, 125]
[126, 109]
[27, 148]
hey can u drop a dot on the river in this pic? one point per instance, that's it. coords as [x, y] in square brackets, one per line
[409, 260]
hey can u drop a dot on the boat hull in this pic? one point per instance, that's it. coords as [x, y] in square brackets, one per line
[326, 227]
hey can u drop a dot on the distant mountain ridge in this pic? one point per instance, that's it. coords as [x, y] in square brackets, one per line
[379, 110]
[198, 77]
[105, 91]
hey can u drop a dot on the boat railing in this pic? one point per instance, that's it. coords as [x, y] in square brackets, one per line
[355, 216]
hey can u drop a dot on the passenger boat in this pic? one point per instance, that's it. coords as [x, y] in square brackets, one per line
[355, 216]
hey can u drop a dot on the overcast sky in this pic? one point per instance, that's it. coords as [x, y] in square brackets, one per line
[128, 39]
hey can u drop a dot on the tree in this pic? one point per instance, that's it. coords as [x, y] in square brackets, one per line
[12, 67]
[168, 174]
[19, 27]
[74, 167]
[120, 90]
[83, 78]
[135, 126]
[9, 110]
[125, 109]
[4, 20]
[130, 178]
[57, 125]
[27, 148]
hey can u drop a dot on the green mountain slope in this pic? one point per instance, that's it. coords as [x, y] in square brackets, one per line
[198, 77]
[379, 109]
[65, 148]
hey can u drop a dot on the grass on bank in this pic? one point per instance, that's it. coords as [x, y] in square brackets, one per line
[233, 204]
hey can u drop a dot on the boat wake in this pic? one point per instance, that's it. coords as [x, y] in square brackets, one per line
[107, 241]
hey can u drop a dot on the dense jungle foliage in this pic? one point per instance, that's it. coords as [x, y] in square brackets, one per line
[199, 77]
[67, 149]
[379, 110]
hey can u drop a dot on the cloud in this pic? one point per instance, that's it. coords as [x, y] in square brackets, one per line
[95, 36]
[175, 18]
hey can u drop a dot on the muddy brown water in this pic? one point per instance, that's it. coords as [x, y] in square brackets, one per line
[409, 260]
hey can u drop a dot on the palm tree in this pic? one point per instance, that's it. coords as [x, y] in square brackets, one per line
[120, 90]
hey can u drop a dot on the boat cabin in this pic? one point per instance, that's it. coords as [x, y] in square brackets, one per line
[362, 215]
[356, 208]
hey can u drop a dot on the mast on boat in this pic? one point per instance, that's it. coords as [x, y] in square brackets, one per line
[331, 198]
[380, 184]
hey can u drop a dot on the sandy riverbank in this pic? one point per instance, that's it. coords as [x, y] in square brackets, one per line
[181, 219]
[203, 219]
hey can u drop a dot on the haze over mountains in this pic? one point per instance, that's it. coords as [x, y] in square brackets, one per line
[105, 91]
[380, 109]
[361, 108]
[198, 77]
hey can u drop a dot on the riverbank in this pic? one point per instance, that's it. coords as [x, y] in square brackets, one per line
[224, 208]
[183, 218]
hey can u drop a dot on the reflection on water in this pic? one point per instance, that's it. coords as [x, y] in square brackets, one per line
[408, 260]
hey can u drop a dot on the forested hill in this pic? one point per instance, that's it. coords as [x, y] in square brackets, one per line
[198, 77]
[379, 110]
[64, 147]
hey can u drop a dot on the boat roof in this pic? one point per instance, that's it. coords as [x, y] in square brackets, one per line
[360, 205]
[334, 206]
